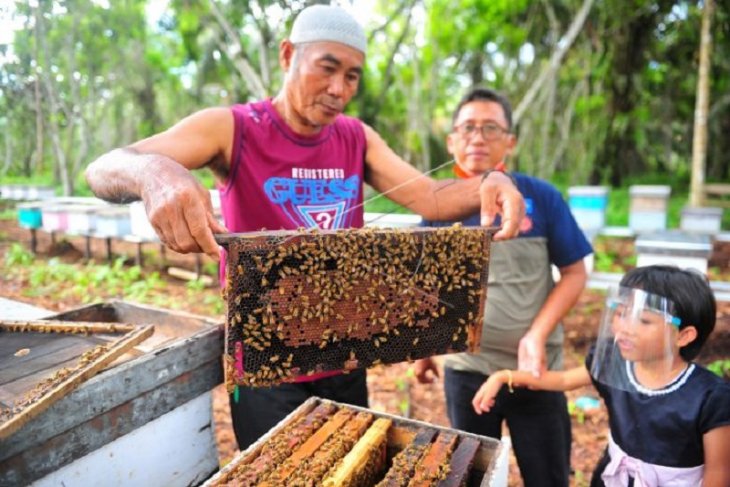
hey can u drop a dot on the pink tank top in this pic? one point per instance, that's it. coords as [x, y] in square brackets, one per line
[281, 180]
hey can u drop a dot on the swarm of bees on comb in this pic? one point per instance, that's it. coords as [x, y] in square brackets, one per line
[333, 444]
[308, 302]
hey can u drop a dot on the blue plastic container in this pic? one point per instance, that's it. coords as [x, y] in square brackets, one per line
[588, 205]
[29, 215]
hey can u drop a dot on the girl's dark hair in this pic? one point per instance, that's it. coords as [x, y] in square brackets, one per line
[694, 302]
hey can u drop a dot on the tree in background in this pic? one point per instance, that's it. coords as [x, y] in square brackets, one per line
[604, 91]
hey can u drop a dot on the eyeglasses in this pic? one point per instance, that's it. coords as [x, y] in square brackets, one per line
[489, 131]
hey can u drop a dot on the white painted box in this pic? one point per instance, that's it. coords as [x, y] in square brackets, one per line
[678, 248]
[648, 208]
[113, 221]
[706, 220]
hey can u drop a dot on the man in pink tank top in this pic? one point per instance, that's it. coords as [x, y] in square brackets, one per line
[283, 163]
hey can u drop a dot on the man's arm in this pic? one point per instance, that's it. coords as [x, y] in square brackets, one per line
[157, 171]
[442, 200]
[531, 351]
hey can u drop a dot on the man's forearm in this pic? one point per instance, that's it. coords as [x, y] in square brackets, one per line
[454, 199]
[561, 299]
[118, 176]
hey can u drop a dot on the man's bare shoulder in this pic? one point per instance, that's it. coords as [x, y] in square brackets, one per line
[369, 131]
[210, 118]
[372, 138]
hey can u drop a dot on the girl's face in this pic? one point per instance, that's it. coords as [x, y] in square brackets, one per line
[639, 340]
[644, 336]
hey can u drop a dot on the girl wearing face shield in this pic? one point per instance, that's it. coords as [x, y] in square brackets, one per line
[669, 418]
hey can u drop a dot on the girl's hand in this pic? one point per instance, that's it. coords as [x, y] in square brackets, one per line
[485, 397]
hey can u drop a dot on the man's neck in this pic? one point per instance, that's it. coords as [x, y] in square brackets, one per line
[296, 122]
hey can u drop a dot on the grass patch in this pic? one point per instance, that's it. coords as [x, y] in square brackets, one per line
[92, 282]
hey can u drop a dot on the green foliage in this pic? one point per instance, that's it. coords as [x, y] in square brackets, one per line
[17, 255]
[8, 214]
[619, 107]
[85, 282]
[402, 385]
[91, 282]
[195, 285]
[380, 204]
[576, 412]
[720, 367]
[617, 210]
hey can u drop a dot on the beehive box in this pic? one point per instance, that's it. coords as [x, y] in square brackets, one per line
[113, 222]
[308, 302]
[39, 193]
[54, 218]
[139, 224]
[29, 215]
[333, 444]
[82, 218]
[588, 205]
[702, 220]
[148, 417]
[648, 207]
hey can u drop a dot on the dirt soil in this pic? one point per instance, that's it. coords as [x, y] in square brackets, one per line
[392, 388]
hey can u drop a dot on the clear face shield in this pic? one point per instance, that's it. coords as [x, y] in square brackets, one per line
[637, 345]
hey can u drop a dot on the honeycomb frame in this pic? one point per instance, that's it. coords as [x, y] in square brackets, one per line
[306, 302]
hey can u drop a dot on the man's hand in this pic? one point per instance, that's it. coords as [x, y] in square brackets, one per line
[180, 210]
[500, 195]
[421, 369]
[531, 354]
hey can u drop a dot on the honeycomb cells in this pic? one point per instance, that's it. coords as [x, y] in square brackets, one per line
[308, 302]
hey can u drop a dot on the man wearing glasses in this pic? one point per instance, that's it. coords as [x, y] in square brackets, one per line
[524, 307]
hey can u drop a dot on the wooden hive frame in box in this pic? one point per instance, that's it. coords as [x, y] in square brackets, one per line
[307, 302]
[63, 381]
[358, 447]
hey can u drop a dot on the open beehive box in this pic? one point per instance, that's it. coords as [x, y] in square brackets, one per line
[42, 361]
[146, 413]
[333, 444]
[308, 302]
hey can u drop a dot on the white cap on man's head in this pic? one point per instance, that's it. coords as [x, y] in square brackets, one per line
[328, 23]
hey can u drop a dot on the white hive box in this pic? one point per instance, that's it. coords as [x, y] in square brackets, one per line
[648, 210]
[674, 248]
[39, 193]
[706, 220]
[113, 222]
[392, 220]
[82, 218]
